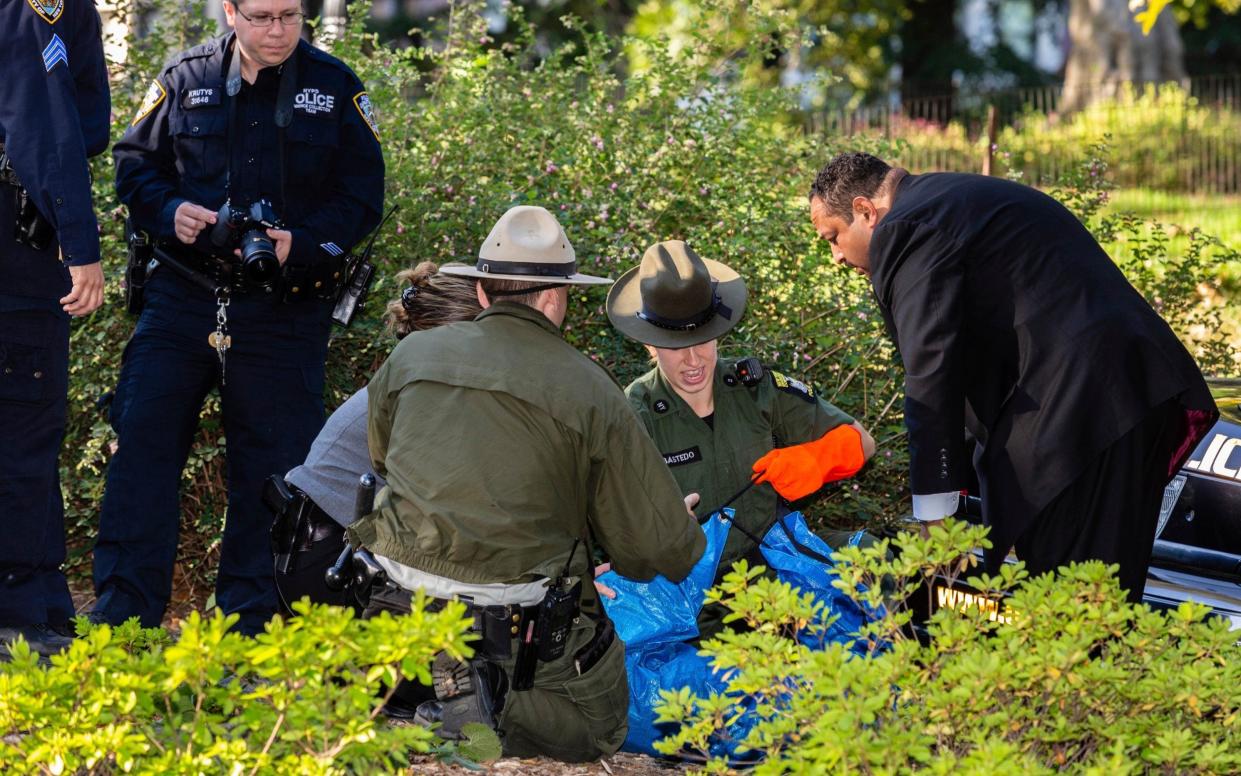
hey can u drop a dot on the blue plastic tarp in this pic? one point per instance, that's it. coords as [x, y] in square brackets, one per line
[657, 619]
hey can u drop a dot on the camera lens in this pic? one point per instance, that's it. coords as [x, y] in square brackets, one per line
[258, 258]
[222, 231]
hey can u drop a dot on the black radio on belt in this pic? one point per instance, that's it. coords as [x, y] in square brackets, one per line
[557, 611]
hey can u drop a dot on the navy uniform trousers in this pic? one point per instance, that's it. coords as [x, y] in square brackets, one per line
[272, 405]
[34, 378]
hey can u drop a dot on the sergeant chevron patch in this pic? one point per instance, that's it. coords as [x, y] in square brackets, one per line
[55, 54]
[48, 10]
[362, 101]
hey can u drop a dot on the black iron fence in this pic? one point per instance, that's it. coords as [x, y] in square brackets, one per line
[1182, 137]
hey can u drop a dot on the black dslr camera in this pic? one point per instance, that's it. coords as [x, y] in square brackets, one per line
[246, 229]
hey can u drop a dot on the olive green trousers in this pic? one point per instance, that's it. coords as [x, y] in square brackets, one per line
[567, 716]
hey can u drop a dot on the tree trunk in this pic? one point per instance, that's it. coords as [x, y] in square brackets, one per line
[930, 51]
[335, 22]
[1107, 49]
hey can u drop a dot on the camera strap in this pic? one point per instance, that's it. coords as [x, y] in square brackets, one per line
[283, 115]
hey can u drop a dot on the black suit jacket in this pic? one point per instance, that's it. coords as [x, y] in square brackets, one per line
[1014, 323]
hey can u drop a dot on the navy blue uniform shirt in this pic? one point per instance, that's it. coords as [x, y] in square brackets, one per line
[179, 149]
[55, 111]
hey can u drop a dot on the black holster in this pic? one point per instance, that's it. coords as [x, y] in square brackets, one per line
[139, 264]
[30, 228]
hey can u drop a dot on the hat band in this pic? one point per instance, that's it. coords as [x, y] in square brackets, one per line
[534, 269]
[717, 306]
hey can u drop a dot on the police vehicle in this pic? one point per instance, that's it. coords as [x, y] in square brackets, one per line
[1197, 552]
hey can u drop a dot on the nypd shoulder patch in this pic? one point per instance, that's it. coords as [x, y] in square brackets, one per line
[789, 385]
[154, 96]
[48, 10]
[362, 101]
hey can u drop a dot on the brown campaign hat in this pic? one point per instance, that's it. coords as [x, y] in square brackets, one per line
[675, 299]
[527, 243]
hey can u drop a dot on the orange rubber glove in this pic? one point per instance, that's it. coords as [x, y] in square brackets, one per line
[798, 471]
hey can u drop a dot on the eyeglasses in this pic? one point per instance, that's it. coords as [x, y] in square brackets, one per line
[262, 20]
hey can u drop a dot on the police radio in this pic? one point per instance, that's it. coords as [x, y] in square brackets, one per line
[749, 371]
[359, 275]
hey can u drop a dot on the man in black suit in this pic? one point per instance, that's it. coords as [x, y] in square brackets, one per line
[1012, 322]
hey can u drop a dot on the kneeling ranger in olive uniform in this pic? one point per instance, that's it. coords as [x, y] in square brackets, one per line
[723, 422]
[507, 455]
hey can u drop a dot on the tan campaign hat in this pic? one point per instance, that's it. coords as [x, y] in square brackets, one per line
[675, 299]
[527, 243]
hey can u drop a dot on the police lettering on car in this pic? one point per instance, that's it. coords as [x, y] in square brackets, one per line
[54, 113]
[252, 183]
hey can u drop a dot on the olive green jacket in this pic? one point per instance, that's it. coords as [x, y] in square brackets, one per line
[716, 461]
[500, 442]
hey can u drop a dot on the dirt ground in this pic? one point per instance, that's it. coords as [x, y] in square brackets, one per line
[620, 764]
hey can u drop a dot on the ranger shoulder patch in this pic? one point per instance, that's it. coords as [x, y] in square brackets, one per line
[362, 101]
[154, 96]
[48, 10]
[789, 385]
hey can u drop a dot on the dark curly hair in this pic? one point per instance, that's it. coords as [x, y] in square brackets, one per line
[849, 175]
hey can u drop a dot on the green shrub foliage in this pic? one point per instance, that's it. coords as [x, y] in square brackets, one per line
[682, 147]
[303, 697]
[1068, 677]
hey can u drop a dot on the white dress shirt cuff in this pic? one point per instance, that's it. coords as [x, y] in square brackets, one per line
[935, 506]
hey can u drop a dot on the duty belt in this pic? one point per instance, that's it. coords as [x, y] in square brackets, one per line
[211, 270]
[497, 627]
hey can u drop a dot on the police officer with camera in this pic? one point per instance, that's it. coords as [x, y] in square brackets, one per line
[252, 168]
[54, 111]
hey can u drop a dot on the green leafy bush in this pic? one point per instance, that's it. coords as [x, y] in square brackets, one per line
[303, 697]
[470, 128]
[1069, 677]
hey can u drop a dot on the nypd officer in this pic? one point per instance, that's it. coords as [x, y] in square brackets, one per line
[54, 110]
[720, 422]
[284, 135]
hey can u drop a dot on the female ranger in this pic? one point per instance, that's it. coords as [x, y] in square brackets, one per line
[722, 422]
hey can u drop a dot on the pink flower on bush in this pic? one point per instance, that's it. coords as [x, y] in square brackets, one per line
[551, 167]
